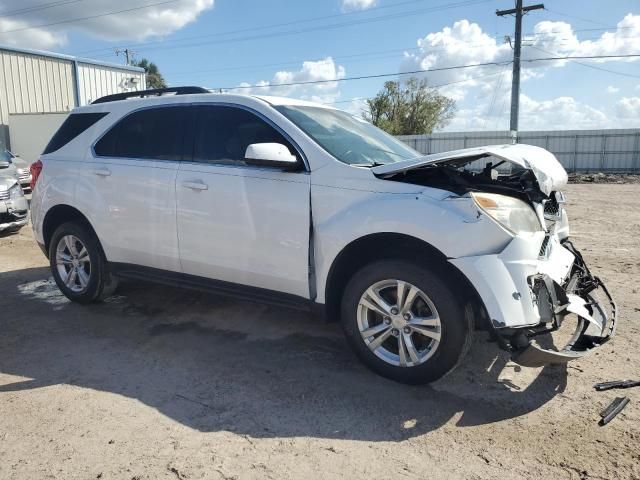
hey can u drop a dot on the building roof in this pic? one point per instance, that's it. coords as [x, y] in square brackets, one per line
[71, 58]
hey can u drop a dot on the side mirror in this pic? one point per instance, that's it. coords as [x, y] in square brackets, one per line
[270, 155]
[4, 164]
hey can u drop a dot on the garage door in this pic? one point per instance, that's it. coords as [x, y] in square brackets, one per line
[30, 133]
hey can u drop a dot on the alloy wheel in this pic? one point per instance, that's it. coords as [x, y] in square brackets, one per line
[399, 323]
[73, 263]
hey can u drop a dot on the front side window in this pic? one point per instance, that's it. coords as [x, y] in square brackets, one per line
[349, 139]
[223, 134]
[152, 133]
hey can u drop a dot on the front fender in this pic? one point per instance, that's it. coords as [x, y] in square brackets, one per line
[450, 223]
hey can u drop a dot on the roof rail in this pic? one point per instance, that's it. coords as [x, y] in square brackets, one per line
[150, 93]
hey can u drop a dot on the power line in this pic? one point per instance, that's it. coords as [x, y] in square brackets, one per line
[624, 74]
[429, 86]
[413, 72]
[294, 22]
[37, 8]
[362, 77]
[171, 45]
[496, 90]
[374, 55]
[585, 57]
[331, 26]
[574, 17]
[89, 17]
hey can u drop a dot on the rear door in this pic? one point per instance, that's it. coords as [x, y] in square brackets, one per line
[134, 170]
[240, 223]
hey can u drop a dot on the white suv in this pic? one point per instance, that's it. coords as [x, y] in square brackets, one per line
[303, 205]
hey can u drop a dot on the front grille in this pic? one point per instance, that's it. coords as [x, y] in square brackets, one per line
[24, 177]
[4, 194]
[544, 247]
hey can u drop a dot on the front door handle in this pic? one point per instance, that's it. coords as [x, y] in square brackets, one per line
[195, 185]
[103, 172]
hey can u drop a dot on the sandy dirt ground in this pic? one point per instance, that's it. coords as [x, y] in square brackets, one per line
[159, 383]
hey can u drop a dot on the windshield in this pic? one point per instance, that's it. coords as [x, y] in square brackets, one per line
[348, 138]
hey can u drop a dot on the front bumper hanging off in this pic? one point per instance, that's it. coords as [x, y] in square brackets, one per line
[581, 295]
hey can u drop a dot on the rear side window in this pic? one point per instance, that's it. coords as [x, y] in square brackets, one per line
[74, 125]
[153, 133]
[223, 134]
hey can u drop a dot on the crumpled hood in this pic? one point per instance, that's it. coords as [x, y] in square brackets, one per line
[550, 174]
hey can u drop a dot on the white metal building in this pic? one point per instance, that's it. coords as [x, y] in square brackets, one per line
[38, 89]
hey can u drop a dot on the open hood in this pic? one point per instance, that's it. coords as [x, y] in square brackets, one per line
[550, 174]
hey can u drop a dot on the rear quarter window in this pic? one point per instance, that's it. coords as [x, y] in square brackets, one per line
[74, 125]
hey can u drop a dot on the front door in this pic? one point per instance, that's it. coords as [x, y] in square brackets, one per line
[239, 223]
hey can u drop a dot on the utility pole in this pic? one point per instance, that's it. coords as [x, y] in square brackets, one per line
[519, 12]
[128, 54]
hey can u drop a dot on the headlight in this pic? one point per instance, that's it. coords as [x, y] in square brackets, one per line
[16, 191]
[513, 214]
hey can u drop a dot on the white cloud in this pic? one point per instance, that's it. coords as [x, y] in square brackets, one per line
[556, 113]
[559, 113]
[462, 44]
[466, 43]
[137, 24]
[34, 38]
[628, 108]
[351, 5]
[321, 70]
[483, 93]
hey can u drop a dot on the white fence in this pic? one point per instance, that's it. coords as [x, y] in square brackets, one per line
[577, 150]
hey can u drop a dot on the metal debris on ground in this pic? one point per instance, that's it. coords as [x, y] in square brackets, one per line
[616, 384]
[613, 409]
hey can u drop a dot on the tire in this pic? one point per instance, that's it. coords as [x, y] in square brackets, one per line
[433, 355]
[95, 283]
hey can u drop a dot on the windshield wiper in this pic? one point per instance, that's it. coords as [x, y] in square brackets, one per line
[370, 164]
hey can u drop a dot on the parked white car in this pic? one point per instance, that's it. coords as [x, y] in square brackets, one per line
[14, 208]
[303, 205]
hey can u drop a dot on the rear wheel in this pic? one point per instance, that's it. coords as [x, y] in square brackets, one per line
[78, 264]
[404, 322]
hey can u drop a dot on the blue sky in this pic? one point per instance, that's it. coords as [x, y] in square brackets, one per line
[226, 43]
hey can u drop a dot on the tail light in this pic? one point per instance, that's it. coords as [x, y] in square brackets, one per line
[35, 169]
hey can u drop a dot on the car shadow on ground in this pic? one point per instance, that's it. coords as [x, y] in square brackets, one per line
[217, 364]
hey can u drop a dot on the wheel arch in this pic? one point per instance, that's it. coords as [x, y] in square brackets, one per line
[56, 216]
[388, 245]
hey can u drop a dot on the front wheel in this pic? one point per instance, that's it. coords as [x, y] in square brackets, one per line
[78, 264]
[404, 322]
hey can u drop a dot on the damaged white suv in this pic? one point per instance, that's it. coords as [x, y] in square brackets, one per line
[302, 205]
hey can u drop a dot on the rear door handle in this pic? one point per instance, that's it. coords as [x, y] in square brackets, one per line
[103, 172]
[195, 185]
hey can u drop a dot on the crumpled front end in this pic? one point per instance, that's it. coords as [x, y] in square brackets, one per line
[583, 295]
[14, 209]
[538, 279]
[532, 285]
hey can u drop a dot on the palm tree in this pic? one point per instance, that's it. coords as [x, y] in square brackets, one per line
[154, 77]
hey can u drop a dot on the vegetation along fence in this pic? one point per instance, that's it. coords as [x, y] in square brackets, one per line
[577, 150]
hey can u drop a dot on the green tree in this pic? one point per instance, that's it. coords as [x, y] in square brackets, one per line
[409, 108]
[154, 77]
